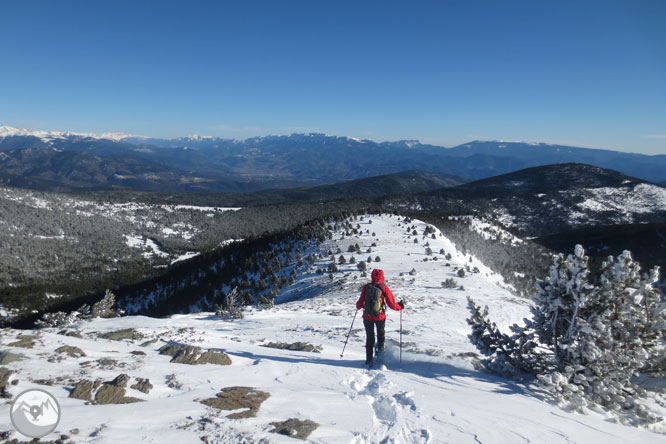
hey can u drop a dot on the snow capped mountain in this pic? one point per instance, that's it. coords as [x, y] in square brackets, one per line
[318, 158]
[49, 136]
[285, 364]
[405, 144]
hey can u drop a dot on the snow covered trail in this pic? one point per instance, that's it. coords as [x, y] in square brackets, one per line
[433, 396]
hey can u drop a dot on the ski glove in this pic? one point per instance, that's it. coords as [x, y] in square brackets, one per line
[401, 304]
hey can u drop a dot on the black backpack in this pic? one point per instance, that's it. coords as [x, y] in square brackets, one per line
[373, 305]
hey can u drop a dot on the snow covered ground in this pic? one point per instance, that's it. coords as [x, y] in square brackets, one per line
[643, 198]
[432, 395]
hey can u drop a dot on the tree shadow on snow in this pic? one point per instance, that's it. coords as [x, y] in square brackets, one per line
[470, 378]
[301, 358]
[441, 371]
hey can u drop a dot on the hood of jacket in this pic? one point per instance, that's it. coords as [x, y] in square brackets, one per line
[377, 276]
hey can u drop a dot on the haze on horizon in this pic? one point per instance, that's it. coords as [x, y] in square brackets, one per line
[445, 72]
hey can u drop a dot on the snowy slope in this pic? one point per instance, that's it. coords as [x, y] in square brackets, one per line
[34, 226]
[643, 198]
[433, 396]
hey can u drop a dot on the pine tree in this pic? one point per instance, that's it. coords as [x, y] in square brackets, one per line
[616, 335]
[560, 299]
[234, 304]
[595, 338]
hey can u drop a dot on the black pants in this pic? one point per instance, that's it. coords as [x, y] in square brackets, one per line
[370, 337]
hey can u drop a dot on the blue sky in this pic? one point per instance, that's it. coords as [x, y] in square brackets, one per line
[586, 73]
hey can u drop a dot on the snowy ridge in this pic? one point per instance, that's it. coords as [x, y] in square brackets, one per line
[491, 231]
[435, 395]
[9, 131]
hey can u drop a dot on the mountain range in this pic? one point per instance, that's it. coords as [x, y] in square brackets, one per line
[207, 164]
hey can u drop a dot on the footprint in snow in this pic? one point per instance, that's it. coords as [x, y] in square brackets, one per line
[385, 409]
[378, 385]
[418, 436]
[405, 400]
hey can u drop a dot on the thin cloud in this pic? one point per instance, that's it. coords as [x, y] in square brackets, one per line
[655, 136]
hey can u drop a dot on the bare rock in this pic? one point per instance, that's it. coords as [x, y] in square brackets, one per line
[113, 392]
[5, 373]
[296, 346]
[84, 389]
[24, 341]
[103, 363]
[7, 357]
[109, 392]
[119, 381]
[149, 342]
[119, 335]
[71, 332]
[235, 398]
[35, 440]
[295, 428]
[74, 352]
[212, 356]
[192, 355]
[142, 385]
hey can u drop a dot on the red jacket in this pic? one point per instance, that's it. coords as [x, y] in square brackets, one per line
[387, 296]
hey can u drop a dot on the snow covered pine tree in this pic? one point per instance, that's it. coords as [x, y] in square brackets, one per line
[586, 342]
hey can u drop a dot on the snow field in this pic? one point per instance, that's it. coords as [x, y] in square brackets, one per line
[643, 198]
[433, 396]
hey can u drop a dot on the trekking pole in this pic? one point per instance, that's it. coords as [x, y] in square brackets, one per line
[350, 329]
[400, 336]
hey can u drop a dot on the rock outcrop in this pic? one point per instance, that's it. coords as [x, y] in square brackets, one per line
[295, 428]
[296, 346]
[193, 355]
[74, 352]
[119, 335]
[109, 392]
[235, 398]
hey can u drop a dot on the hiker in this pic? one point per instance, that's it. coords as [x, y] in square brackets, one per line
[374, 299]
